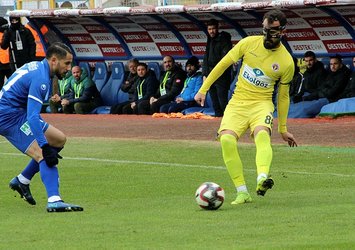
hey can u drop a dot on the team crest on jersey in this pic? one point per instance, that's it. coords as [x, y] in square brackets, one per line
[43, 87]
[275, 67]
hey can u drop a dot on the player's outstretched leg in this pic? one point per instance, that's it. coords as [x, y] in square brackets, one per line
[61, 206]
[263, 184]
[23, 190]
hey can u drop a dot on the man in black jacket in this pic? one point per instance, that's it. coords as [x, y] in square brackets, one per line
[336, 80]
[21, 43]
[171, 84]
[313, 78]
[218, 45]
[349, 90]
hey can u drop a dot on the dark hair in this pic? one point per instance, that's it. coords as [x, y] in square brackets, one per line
[133, 60]
[142, 64]
[171, 57]
[276, 15]
[212, 22]
[59, 49]
[309, 54]
[338, 57]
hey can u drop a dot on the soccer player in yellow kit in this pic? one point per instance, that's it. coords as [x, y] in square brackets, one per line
[266, 62]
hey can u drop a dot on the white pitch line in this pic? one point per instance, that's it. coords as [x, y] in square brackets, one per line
[168, 164]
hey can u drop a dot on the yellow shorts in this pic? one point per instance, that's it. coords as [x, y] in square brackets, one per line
[241, 115]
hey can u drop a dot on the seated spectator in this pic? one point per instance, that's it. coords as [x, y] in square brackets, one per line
[171, 84]
[192, 84]
[296, 85]
[145, 86]
[313, 78]
[128, 86]
[60, 88]
[83, 96]
[349, 90]
[336, 79]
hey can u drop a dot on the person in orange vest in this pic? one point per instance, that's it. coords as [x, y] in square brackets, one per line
[5, 70]
[40, 53]
[21, 43]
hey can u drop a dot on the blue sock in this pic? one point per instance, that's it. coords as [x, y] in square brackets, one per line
[30, 170]
[50, 178]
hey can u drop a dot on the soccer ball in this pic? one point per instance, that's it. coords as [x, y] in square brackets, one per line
[209, 196]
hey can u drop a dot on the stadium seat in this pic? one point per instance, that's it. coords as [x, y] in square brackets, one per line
[100, 75]
[306, 109]
[154, 66]
[342, 107]
[85, 65]
[207, 109]
[348, 62]
[110, 92]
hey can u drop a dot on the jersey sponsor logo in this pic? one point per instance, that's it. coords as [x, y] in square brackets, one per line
[256, 77]
[43, 87]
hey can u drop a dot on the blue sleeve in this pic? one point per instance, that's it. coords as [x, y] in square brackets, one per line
[33, 118]
[37, 93]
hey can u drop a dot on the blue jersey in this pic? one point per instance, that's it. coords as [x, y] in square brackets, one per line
[23, 94]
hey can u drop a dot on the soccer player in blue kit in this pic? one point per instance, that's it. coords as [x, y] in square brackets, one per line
[21, 101]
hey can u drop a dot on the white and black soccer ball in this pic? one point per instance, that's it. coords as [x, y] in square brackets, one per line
[210, 196]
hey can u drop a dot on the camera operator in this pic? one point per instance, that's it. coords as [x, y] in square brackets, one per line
[21, 43]
[5, 70]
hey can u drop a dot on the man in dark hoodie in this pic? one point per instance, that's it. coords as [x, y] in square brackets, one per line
[313, 78]
[21, 43]
[336, 80]
[218, 45]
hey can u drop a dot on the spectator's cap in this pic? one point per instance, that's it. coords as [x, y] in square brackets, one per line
[3, 21]
[193, 61]
[12, 18]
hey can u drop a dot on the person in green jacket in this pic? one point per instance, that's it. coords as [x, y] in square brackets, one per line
[83, 96]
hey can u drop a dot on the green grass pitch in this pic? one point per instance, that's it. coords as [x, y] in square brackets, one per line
[140, 195]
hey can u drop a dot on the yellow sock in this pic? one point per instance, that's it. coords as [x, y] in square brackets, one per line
[263, 152]
[231, 159]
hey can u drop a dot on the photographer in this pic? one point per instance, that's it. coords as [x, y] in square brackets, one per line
[21, 43]
[5, 70]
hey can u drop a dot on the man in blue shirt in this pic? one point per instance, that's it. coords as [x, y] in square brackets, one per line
[21, 101]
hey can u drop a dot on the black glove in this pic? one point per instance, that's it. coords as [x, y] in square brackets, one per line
[50, 155]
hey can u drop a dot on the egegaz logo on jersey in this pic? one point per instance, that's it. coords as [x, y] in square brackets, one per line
[256, 77]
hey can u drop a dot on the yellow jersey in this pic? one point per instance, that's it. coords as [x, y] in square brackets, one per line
[261, 69]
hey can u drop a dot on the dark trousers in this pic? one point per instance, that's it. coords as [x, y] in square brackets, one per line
[117, 109]
[144, 107]
[4, 73]
[175, 107]
[80, 107]
[219, 97]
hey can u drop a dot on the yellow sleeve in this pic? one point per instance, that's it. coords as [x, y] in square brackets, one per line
[283, 103]
[216, 73]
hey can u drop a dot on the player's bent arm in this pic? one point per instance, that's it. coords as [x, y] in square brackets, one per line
[283, 103]
[216, 73]
[33, 118]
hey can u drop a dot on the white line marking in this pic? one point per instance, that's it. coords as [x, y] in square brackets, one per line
[181, 165]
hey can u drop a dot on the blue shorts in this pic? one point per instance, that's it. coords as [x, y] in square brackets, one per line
[15, 128]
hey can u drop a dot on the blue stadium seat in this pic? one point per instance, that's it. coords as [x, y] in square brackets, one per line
[111, 89]
[86, 66]
[348, 62]
[100, 75]
[155, 67]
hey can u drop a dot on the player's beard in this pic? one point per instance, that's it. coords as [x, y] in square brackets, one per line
[271, 43]
[60, 76]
